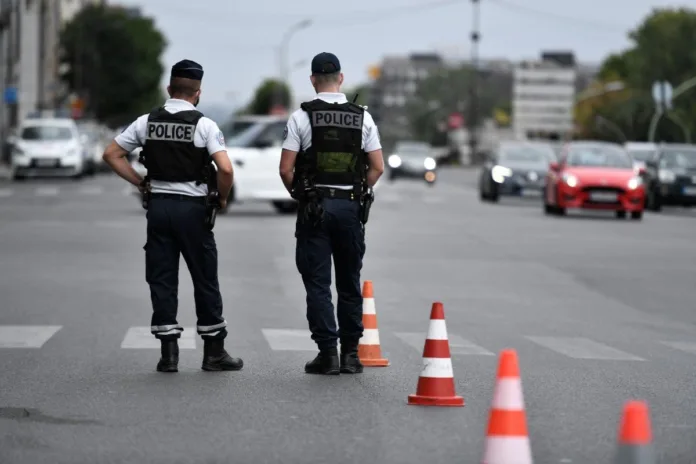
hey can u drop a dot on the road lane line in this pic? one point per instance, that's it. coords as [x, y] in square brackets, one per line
[26, 336]
[6, 192]
[46, 191]
[688, 347]
[141, 338]
[458, 345]
[583, 348]
[91, 190]
[289, 340]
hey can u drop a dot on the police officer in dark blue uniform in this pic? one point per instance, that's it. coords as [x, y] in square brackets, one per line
[179, 146]
[331, 159]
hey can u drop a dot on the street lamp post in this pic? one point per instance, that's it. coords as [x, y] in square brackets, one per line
[474, 103]
[283, 54]
[681, 88]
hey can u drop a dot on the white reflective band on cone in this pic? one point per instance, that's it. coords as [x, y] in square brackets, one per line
[508, 395]
[506, 450]
[369, 306]
[437, 368]
[370, 337]
[437, 330]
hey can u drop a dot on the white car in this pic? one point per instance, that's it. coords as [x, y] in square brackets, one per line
[47, 146]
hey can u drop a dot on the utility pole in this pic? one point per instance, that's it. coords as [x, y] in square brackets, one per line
[473, 91]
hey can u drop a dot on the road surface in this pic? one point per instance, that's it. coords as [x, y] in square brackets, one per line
[600, 311]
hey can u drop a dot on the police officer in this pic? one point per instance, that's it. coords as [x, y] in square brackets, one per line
[178, 147]
[331, 156]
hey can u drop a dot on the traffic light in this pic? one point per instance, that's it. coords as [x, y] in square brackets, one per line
[374, 72]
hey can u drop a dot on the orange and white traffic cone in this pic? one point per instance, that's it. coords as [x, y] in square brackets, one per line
[507, 439]
[369, 350]
[436, 381]
[635, 435]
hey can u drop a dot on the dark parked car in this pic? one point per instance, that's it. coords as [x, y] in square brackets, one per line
[515, 169]
[412, 160]
[670, 176]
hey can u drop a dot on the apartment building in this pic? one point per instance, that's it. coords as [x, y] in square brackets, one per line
[544, 96]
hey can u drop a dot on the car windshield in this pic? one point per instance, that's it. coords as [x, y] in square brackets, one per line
[526, 154]
[46, 133]
[641, 155]
[270, 132]
[235, 128]
[414, 150]
[599, 156]
[678, 159]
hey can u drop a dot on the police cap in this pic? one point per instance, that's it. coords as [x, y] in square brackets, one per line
[325, 63]
[188, 69]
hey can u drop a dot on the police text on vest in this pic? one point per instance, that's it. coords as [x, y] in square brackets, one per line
[337, 119]
[170, 131]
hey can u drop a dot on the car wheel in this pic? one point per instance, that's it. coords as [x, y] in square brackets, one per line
[482, 195]
[285, 207]
[653, 201]
[621, 214]
[637, 215]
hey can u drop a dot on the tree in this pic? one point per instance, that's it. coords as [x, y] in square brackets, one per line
[113, 58]
[662, 50]
[267, 95]
[363, 91]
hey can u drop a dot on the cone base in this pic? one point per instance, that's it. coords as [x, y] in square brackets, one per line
[418, 400]
[379, 362]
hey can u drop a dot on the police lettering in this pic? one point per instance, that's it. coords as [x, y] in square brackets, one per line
[170, 131]
[342, 119]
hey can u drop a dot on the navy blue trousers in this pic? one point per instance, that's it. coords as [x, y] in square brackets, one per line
[341, 235]
[176, 227]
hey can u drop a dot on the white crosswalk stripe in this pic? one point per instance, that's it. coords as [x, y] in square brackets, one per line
[46, 191]
[583, 348]
[458, 345]
[289, 340]
[688, 347]
[26, 336]
[141, 338]
[6, 192]
[91, 190]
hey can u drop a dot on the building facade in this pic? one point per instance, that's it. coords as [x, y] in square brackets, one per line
[544, 97]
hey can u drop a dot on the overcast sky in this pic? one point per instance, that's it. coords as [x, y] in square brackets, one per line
[236, 41]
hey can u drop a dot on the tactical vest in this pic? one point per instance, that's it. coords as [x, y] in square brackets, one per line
[336, 156]
[169, 152]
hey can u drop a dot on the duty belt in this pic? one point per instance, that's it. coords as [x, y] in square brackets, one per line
[179, 197]
[329, 192]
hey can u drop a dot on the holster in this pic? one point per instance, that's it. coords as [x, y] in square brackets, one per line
[366, 201]
[145, 184]
[212, 205]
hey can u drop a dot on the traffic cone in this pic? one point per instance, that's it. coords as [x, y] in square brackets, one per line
[635, 435]
[436, 381]
[507, 440]
[369, 350]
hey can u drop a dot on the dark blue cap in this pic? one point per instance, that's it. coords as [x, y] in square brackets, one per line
[188, 69]
[325, 63]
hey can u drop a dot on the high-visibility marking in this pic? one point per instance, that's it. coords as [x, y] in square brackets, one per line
[289, 340]
[26, 336]
[688, 347]
[91, 190]
[437, 330]
[369, 306]
[370, 337]
[508, 449]
[437, 368]
[142, 338]
[508, 395]
[583, 348]
[458, 345]
[46, 191]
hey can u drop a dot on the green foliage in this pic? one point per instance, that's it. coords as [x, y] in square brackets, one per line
[267, 95]
[114, 62]
[363, 91]
[662, 49]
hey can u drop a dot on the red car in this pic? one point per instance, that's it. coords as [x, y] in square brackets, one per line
[594, 175]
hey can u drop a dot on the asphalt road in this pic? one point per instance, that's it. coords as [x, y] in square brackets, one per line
[600, 311]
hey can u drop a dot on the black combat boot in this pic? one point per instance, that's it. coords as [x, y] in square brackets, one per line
[350, 362]
[215, 358]
[169, 362]
[326, 363]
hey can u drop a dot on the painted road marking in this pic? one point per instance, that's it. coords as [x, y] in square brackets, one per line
[46, 191]
[141, 338]
[6, 192]
[689, 347]
[289, 340]
[458, 345]
[92, 190]
[583, 348]
[26, 336]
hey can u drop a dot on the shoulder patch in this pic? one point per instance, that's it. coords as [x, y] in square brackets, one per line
[221, 138]
[285, 133]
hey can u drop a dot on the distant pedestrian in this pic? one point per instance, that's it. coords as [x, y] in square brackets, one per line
[331, 159]
[179, 146]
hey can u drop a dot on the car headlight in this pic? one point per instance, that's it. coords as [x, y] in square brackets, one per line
[429, 164]
[666, 176]
[634, 183]
[499, 173]
[570, 180]
[394, 161]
